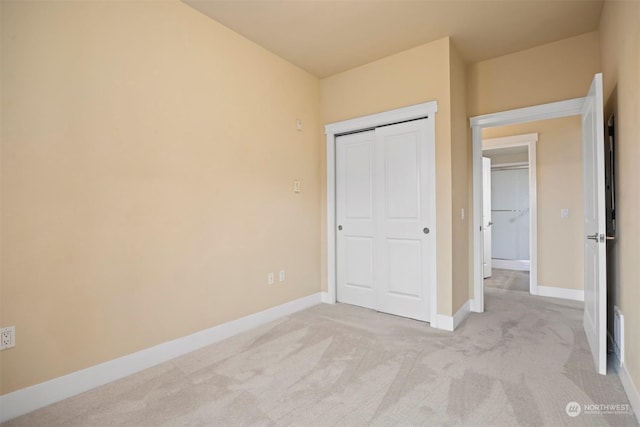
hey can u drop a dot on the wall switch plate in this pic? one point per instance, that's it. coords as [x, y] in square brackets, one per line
[281, 276]
[7, 337]
[564, 213]
[298, 125]
[296, 186]
[270, 279]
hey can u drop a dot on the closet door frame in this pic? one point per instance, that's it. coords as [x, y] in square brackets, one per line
[419, 111]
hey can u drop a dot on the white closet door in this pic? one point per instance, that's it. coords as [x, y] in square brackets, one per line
[403, 223]
[384, 196]
[355, 216]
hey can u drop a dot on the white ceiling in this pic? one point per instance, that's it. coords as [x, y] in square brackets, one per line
[326, 37]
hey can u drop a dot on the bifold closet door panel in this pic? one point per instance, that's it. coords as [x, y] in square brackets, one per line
[402, 219]
[355, 206]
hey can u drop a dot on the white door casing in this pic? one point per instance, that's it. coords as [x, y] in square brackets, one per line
[334, 130]
[595, 261]
[382, 212]
[486, 217]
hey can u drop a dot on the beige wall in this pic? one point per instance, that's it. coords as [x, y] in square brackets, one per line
[460, 180]
[559, 185]
[548, 73]
[410, 77]
[148, 155]
[498, 157]
[620, 44]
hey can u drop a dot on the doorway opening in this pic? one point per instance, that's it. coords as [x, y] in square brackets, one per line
[510, 212]
[479, 126]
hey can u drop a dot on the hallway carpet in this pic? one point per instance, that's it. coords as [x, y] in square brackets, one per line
[520, 363]
[513, 280]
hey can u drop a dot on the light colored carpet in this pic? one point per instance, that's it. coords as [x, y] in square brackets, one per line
[519, 363]
[512, 280]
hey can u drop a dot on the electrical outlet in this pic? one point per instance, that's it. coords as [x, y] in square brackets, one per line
[281, 276]
[7, 337]
[270, 279]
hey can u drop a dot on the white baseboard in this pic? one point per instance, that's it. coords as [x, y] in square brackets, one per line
[511, 264]
[475, 305]
[629, 388]
[325, 298]
[549, 291]
[450, 323]
[461, 314]
[29, 399]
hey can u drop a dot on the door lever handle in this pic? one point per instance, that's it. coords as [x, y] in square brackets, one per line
[597, 237]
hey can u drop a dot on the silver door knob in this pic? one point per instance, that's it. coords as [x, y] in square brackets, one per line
[490, 224]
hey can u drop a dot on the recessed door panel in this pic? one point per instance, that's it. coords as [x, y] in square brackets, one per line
[359, 262]
[403, 258]
[359, 185]
[402, 176]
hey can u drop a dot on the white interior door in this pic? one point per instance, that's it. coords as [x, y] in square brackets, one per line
[384, 200]
[595, 274]
[355, 216]
[402, 157]
[486, 217]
